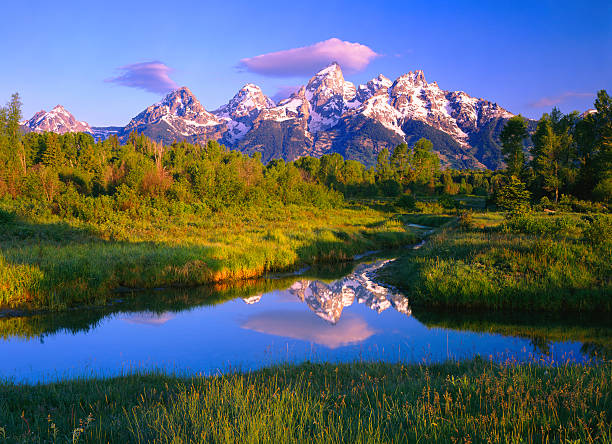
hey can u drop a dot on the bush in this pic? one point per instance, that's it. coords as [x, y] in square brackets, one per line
[603, 190]
[6, 217]
[465, 218]
[542, 225]
[599, 230]
[406, 202]
[513, 196]
[447, 202]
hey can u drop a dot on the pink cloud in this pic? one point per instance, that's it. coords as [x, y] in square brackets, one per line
[547, 102]
[150, 76]
[352, 57]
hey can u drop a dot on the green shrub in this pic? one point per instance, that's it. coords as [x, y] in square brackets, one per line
[513, 196]
[599, 230]
[406, 202]
[447, 202]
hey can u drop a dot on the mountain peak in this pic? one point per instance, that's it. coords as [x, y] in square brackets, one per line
[413, 78]
[247, 102]
[58, 120]
[332, 69]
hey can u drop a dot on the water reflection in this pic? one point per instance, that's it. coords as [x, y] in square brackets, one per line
[343, 312]
[305, 327]
[327, 300]
[149, 318]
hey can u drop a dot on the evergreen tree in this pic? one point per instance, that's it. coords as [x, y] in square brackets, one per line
[384, 171]
[512, 137]
[547, 156]
[513, 196]
[400, 163]
[52, 156]
[425, 164]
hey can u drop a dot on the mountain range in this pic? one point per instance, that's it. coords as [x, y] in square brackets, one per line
[327, 115]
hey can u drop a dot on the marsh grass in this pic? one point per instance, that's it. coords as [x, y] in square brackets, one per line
[52, 263]
[537, 263]
[472, 401]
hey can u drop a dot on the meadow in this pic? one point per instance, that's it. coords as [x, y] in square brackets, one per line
[470, 401]
[53, 263]
[535, 262]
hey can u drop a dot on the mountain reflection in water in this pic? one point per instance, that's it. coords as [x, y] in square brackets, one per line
[148, 318]
[328, 300]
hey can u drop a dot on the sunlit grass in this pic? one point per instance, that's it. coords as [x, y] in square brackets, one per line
[54, 264]
[473, 401]
[543, 263]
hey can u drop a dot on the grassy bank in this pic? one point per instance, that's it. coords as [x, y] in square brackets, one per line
[537, 263]
[55, 263]
[473, 401]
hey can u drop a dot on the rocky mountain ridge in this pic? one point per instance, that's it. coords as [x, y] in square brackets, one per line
[58, 120]
[327, 115]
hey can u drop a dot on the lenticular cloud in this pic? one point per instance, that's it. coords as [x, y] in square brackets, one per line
[547, 102]
[352, 57]
[150, 76]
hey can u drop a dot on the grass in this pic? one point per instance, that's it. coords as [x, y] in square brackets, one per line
[52, 263]
[472, 401]
[537, 263]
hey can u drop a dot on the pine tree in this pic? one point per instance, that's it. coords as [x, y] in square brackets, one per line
[512, 136]
[513, 196]
[384, 171]
[547, 152]
[52, 156]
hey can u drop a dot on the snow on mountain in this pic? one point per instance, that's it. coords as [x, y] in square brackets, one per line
[240, 112]
[328, 114]
[177, 116]
[328, 94]
[58, 120]
[364, 92]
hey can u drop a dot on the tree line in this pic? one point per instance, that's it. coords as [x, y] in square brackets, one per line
[571, 155]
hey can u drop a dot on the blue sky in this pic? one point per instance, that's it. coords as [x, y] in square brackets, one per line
[523, 55]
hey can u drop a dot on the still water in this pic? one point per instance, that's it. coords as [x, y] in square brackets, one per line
[306, 318]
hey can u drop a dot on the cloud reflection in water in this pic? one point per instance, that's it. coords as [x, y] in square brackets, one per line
[303, 326]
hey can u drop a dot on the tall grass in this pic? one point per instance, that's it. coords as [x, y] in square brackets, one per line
[54, 264]
[543, 263]
[473, 401]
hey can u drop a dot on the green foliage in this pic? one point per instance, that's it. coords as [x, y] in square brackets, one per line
[527, 263]
[599, 231]
[513, 196]
[447, 202]
[406, 202]
[512, 137]
[322, 403]
[603, 190]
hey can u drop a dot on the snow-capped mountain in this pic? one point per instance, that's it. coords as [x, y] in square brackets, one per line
[178, 116]
[242, 110]
[327, 115]
[330, 114]
[58, 120]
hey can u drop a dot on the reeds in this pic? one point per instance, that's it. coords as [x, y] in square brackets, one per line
[473, 401]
